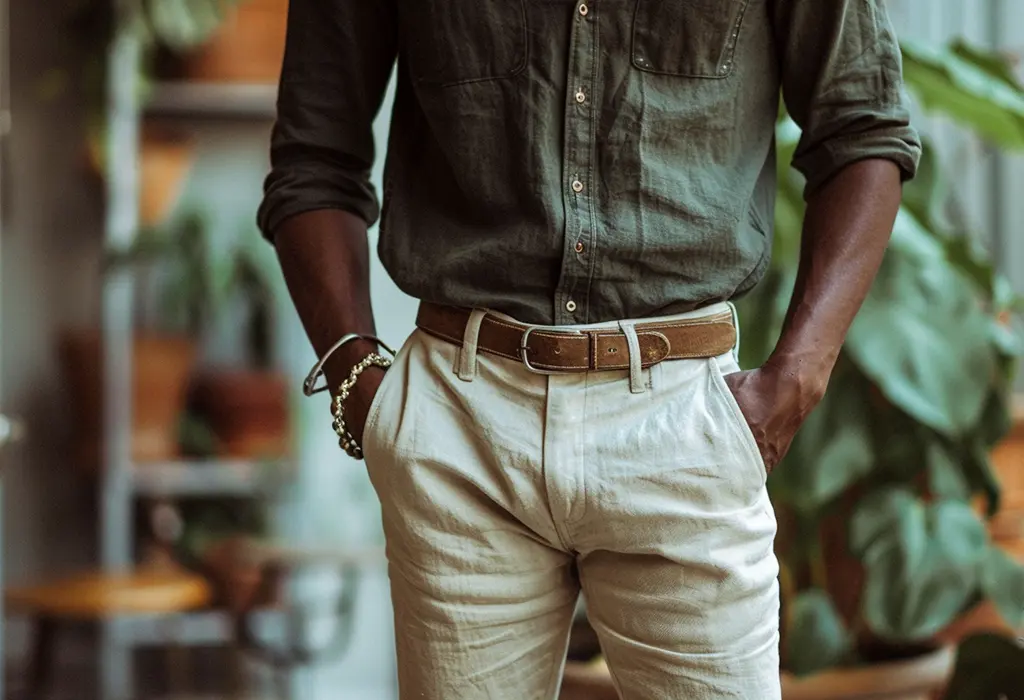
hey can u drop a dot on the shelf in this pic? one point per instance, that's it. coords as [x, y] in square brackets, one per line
[201, 627]
[213, 477]
[210, 101]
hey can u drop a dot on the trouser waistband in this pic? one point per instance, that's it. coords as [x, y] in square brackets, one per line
[616, 345]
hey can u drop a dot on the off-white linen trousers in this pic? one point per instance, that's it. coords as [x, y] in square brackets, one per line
[504, 492]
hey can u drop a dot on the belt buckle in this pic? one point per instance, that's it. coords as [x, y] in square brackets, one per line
[523, 348]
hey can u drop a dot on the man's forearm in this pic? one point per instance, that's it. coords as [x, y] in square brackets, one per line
[846, 230]
[325, 259]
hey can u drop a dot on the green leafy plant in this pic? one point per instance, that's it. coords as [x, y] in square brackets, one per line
[192, 285]
[883, 479]
[160, 26]
[175, 266]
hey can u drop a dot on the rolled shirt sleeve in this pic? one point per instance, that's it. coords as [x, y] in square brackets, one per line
[337, 63]
[842, 82]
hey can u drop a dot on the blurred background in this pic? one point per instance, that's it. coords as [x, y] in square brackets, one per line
[178, 521]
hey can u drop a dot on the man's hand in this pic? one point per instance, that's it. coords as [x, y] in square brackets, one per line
[775, 402]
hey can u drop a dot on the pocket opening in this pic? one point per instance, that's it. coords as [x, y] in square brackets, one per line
[739, 420]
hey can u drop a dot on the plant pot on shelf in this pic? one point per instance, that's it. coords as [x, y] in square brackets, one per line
[247, 48]
[165, 158]
[160, 371]
[239, 583]
[247, 412]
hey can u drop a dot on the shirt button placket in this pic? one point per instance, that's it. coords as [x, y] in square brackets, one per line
[574, 284]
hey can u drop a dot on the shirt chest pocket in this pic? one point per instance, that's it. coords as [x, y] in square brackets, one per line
[450, 42]
[687, 38]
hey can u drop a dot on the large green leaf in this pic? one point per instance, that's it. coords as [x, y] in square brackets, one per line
[922, 561]
[997, 65]
[184, 24]
[926, 195]
[977, 469]
[969, 86]
[816, 637]
[988, 667]
[1002, 581]
[945, 475]
[901, 442]
[921, 335]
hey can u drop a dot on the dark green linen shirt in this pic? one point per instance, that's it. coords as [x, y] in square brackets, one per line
[577, 161]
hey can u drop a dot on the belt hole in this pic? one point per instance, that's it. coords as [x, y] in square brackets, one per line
[558, 350]
[613, 350]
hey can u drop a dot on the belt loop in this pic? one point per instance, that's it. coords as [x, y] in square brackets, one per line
[465, 358]
[736, 325]
[636, 372]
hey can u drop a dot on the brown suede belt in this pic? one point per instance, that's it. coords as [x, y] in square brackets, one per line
[547, 349]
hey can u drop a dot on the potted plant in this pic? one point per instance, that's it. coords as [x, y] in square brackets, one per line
[247, 47]
[247, 408]
[883, 499]
[178, 272]
[217, 538]
[163, 28]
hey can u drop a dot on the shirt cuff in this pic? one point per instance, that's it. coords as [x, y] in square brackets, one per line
[296, 192]
[820, 163]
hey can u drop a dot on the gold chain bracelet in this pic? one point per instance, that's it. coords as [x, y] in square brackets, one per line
[345, 438]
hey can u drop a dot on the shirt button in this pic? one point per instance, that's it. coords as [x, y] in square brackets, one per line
[577, 186]
[579, 246]
[584, 9]
[581, 96]
[570, 306]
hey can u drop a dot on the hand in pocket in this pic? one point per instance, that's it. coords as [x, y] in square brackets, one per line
[357, 405]
[774, 403]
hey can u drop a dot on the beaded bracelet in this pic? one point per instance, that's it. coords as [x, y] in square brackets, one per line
[345, 438]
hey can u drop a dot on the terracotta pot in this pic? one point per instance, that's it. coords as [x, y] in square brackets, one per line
[247, 48]
[240, 584]
[921, 678]
[247, 412]
[165, 158]
[160, 371]
[982, 618]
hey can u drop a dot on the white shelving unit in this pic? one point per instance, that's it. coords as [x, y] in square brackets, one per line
[123, 481]
[212, 101]
[207, 478]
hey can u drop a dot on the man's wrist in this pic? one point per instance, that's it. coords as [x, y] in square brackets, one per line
[340, 364]
[809, 369]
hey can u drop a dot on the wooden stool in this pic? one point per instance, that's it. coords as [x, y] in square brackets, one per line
[98, 596]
